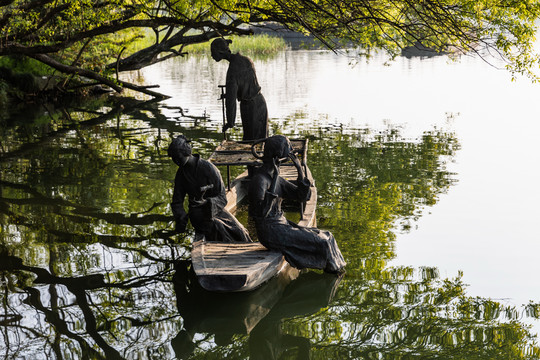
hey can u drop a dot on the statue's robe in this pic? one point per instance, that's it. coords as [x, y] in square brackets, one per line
[242, 85]
[302, 247]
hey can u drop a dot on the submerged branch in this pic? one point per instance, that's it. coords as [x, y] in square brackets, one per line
[143, 89]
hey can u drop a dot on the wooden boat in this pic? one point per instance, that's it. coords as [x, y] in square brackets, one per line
[245, 266]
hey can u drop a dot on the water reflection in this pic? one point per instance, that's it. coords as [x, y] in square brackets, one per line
[258, 314]
[375, 183]
[50, 316]
[89, 266]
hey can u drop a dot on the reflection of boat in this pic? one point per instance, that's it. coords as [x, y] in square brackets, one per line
[255, 313]
[234, 313]
[245, 266]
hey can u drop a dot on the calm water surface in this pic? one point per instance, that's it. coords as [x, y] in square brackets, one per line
[427, 176]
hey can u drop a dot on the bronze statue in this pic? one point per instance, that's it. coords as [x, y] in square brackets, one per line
[242, 84]
[302, 247]
[201, 181]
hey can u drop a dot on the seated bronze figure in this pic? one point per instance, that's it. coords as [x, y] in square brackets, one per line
[302, 247]
[201, 181]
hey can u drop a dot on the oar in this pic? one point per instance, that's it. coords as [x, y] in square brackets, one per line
[222, 98]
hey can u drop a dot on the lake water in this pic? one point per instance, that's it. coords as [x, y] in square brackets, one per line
[486, 224]
[426, 173]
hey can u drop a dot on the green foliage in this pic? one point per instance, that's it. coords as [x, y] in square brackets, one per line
[507, 29]
[105, 49]
[21, 64]
[91, 35]
[374, 184]
[57, 20]
[4, 88]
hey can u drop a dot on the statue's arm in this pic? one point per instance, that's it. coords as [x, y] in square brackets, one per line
[303, 185]
[259, 195]
[299, 190]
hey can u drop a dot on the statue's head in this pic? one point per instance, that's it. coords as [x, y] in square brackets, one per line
[277, 146]
[220, 48]
[179, 150]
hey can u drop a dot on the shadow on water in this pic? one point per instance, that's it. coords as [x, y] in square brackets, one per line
[90, 267]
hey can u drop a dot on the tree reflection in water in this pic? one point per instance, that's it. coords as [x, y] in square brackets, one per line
[89, 266]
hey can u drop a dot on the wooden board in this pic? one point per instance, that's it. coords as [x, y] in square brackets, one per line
[237, 153]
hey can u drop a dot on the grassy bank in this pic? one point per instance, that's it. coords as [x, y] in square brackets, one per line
[253, 46]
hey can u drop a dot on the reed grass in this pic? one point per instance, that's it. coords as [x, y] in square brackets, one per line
[254, 46]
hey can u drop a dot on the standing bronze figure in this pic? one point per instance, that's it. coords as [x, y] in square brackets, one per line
[302, 247]
[242, 85]
[201, 181]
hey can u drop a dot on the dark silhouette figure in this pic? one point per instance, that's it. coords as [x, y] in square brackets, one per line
[302, 247]
[201, 181]
[242, 84]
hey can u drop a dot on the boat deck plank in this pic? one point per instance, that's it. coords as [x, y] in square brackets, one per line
[227, 259]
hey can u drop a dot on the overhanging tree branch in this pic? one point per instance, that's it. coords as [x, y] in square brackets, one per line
[68, 69]
[150, 55]
[117, 86]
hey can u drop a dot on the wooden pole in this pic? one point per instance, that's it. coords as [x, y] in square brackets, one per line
[222, 98]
